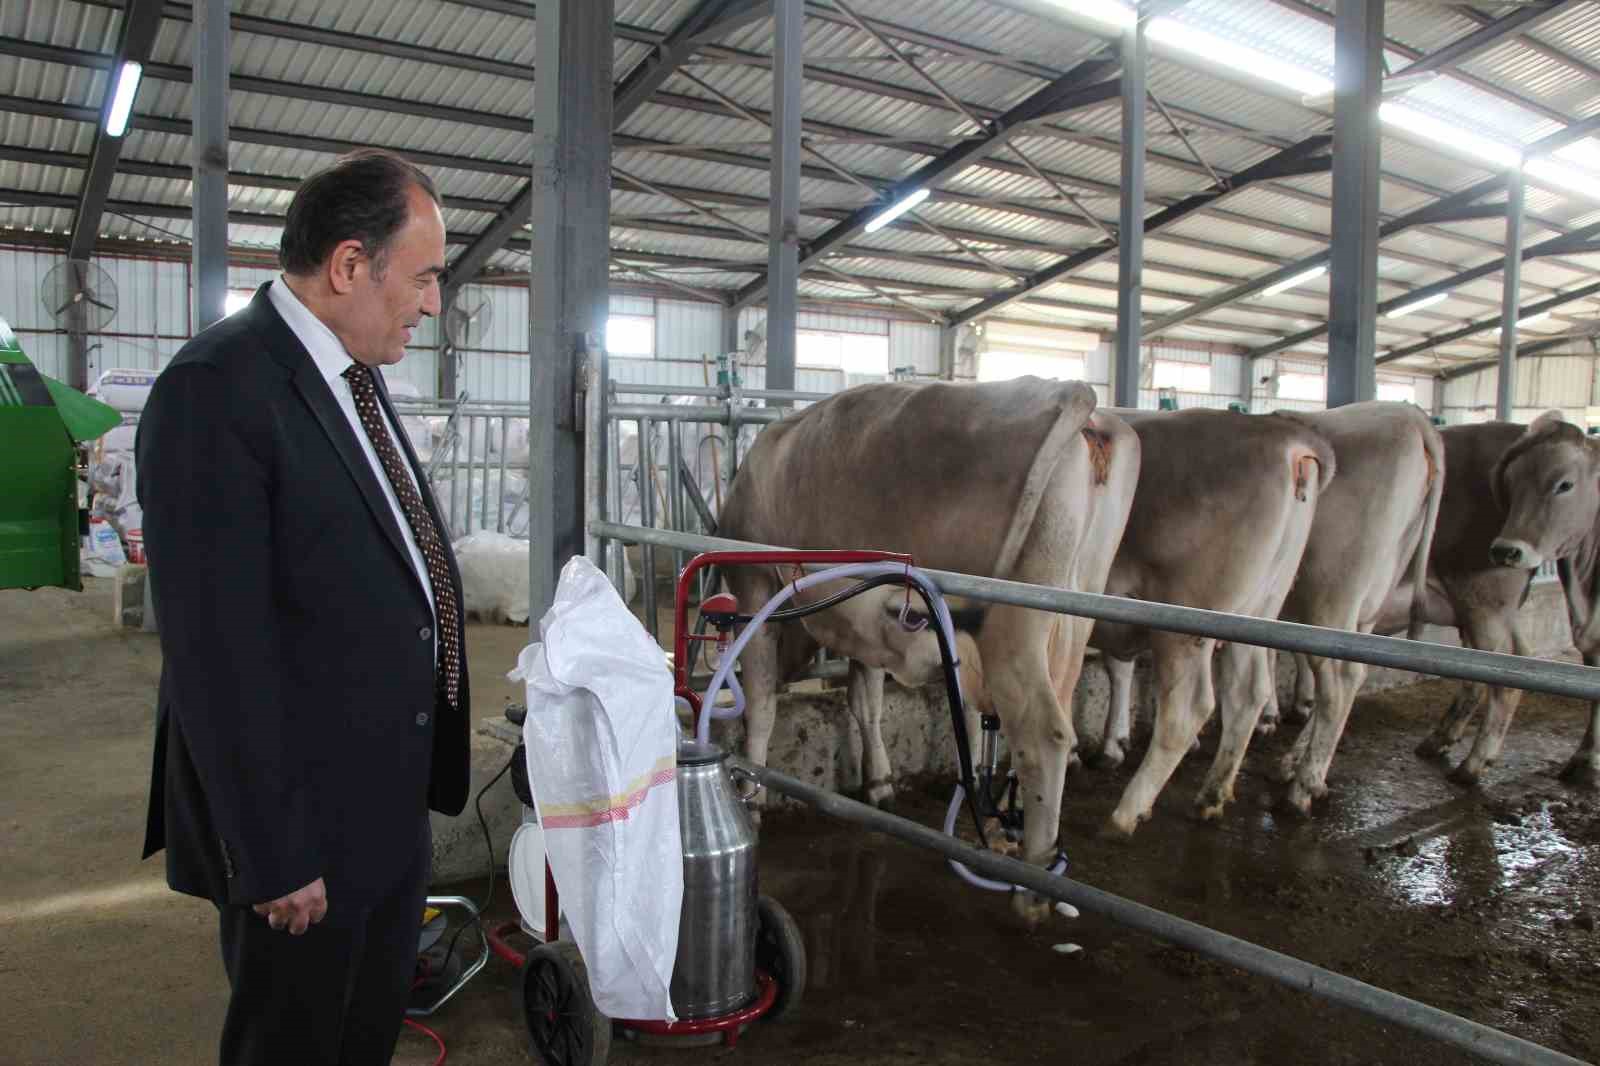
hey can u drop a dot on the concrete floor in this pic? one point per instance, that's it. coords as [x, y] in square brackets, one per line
[1482, 903]
[99, 963]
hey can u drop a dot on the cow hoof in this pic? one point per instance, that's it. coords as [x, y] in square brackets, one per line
[1031, 910]
[880, 794]
[1267, 726]
[1119, 828]
[1209, 808]
[1433, 748]
[1581, 772]
[1297, 800]
[1110, 757]
[1301, 712]
[1465, 775]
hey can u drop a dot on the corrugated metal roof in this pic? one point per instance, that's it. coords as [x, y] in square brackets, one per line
[1234, 123]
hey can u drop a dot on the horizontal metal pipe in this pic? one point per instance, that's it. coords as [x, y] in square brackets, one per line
[665, 390]
[790, 395]
[1441, 660]
[665, 412]
[1322, 983]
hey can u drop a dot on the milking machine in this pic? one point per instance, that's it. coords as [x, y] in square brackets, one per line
[740, 956]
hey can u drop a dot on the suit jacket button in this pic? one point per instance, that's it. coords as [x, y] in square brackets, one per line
[422, 719]
[425, 633]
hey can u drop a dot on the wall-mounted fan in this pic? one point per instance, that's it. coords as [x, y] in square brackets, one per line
[467, 321]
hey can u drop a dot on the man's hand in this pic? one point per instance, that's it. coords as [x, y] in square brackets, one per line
[297, 911]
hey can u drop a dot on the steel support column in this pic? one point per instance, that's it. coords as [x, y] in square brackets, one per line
[783, 232]
[1357, 140]
[1511, 284]
[730, 331]
[571, 207]
[209, 243]
[1130, 216]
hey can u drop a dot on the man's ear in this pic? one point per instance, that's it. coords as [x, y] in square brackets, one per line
[344, 264]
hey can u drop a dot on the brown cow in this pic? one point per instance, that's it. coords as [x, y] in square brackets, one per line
[1020, 479]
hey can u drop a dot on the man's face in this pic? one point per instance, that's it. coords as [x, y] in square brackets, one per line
[388, 308]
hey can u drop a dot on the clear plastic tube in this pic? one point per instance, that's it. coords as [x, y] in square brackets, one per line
[967, 875]
[725, 667]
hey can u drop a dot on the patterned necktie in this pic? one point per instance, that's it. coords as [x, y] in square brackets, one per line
[423, 527]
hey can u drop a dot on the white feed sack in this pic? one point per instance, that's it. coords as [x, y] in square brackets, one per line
[494, 577]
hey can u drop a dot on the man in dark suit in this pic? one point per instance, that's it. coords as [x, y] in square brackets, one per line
[313, 700]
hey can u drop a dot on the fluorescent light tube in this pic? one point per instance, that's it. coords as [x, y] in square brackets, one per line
[1299, 279]
[898, 209]
[122, 101]
[1417, 305]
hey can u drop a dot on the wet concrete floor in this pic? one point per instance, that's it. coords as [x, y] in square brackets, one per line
[1483, 903]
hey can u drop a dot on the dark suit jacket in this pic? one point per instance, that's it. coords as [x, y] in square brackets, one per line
[299, 734]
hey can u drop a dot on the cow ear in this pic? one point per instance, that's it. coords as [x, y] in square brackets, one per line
[1545, 423]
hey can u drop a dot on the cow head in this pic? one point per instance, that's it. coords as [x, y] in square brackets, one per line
[1548, 483]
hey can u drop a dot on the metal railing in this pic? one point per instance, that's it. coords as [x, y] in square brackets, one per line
[476, 460]
[672, 489]
[1441, 660]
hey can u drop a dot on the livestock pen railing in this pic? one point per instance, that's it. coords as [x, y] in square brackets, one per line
[682, 454]
[1539, 675]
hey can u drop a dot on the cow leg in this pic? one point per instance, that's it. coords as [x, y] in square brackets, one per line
[1584, 767]
[1453, 723]
[1305, 688]
[1015, 645]
[1115, 738]
[759, 661]
[1338, 682]
[1267, 724]
[1492, 633]
[1286, 766]
[865, 694]
[1248, 685]
[1183, 702]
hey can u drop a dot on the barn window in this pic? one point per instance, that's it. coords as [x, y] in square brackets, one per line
[631, 335]
[1003, 366]
[1398, 391]
[854, 353]
[1185, 377]
[1296, 386]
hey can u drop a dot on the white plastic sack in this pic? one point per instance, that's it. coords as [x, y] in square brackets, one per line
[601, 738]
[494, 576]
[125, 389]
[505, 499]
[415, 427]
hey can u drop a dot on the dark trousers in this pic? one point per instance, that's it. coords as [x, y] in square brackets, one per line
[334, 996]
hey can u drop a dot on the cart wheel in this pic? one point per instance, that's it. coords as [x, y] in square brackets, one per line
[781, 953]
[562, 1020]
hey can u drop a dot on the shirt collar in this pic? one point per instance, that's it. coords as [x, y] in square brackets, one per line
[325, 348]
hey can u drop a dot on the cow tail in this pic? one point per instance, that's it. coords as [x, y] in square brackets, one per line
[1077, 402]
[1433, 451]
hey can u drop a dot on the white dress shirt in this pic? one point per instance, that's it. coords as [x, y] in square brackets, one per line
[331, 358]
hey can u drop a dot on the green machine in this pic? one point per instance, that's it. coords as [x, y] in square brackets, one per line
[41, 421]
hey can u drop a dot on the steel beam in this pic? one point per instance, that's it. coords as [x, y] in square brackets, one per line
[1353, 262]
[1487, 36]
[1562, 245]
[1473, 328]
[710, 18]
[1524, 351]
[1088, 78]
[1130, 220]
[209, 159]
[1510, 280]
[783, 219]
[569, 304]
[137, 34]
[1169, 216]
